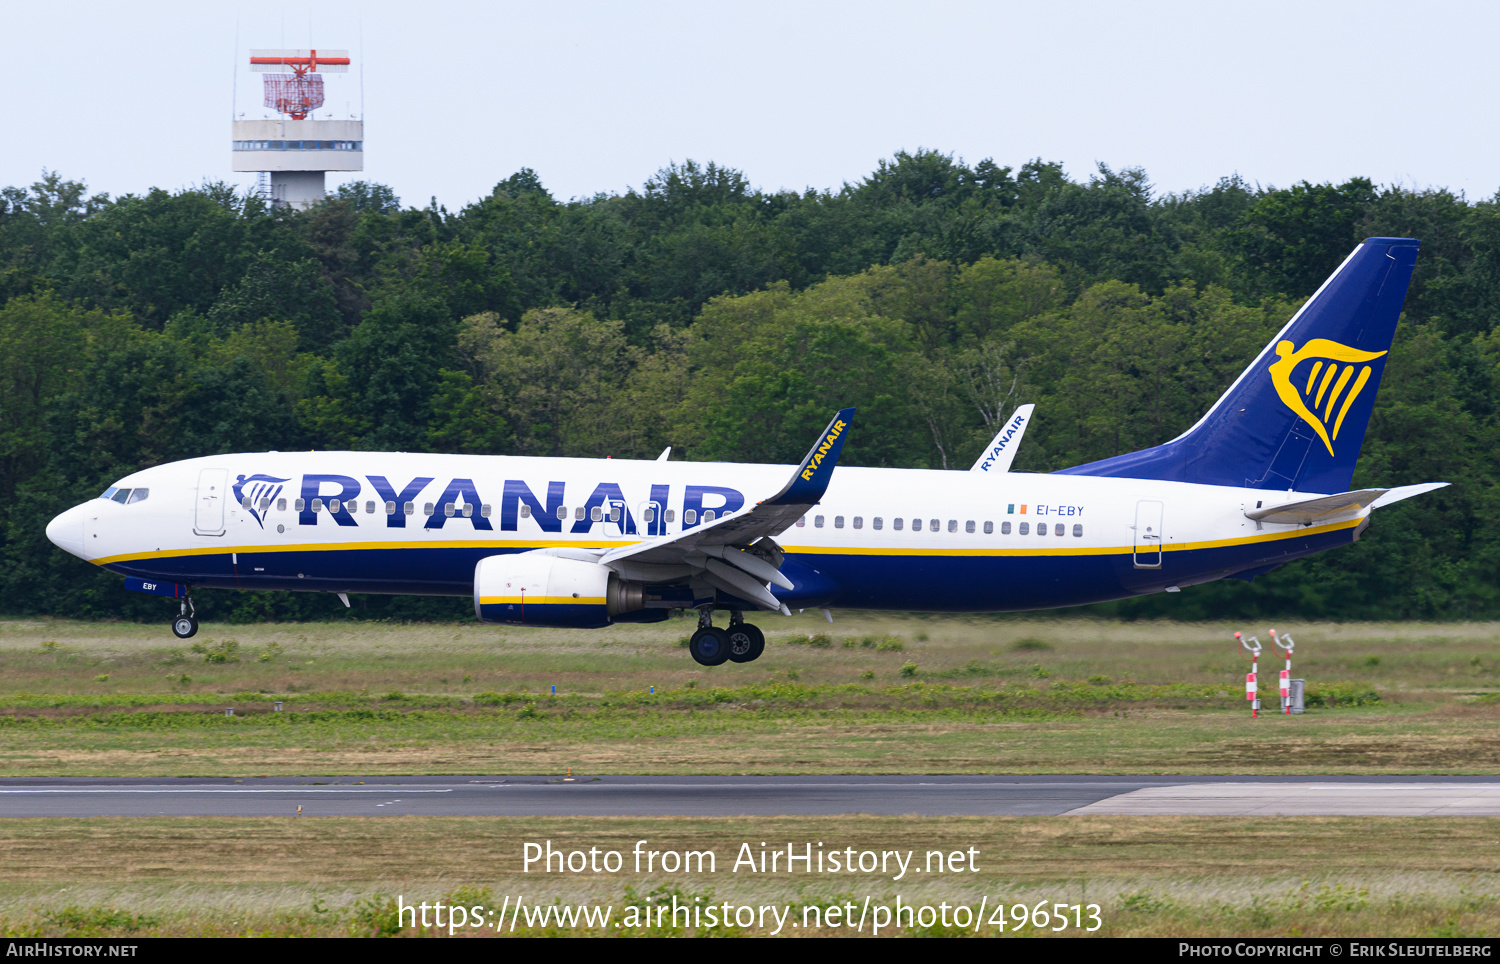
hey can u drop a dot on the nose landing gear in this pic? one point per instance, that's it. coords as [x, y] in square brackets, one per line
[185, 626]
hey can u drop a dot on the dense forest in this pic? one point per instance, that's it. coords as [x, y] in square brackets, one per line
[728, 322]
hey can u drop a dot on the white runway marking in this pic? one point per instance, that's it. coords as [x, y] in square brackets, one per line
[1307, 799]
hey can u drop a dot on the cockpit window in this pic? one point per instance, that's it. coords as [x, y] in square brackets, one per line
[125, 496]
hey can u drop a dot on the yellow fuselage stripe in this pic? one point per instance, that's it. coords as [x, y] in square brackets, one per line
[1051, 549]
[541, 600]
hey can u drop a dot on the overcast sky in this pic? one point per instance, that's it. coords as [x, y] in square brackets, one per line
[597, 96]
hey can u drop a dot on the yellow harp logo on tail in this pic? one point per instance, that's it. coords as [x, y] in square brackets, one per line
[1337, 365]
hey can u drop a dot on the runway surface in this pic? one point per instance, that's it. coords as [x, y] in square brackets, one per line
[723, 796]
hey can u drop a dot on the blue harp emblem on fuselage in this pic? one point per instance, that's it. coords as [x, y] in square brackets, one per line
[254, 491]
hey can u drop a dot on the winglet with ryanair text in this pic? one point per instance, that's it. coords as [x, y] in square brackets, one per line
[813, 475]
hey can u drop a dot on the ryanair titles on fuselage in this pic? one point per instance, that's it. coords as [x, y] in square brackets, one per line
[331, 494]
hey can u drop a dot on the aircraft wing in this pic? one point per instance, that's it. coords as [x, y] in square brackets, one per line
[708, 550]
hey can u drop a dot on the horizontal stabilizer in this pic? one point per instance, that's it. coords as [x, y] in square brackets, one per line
[1405, 492]
[1308, 511]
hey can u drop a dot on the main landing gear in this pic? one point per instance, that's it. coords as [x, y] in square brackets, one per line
[185, 626]
[741, 643]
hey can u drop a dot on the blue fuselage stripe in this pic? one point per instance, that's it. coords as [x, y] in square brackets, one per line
[929, 583]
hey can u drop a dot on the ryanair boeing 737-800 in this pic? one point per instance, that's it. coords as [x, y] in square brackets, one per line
[1260, 480]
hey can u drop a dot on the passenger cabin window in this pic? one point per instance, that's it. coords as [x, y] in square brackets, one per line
[390, 508]
[690, 516]
[427, 508]
[877, 523]
[1078, 531]
[1024, 529]
[937, 525]
[484, 512]
[409, 508]
[468, 510]
[1005, 528]
[317, 505]
[802, 521]
[859, 522]
[916, 525]
[838, 522]
[596, 514]
[280, 505]
[1058, 529]
[648, 514]
[333, 506]
[817, 522]
[614, 514]
[369, 508]
[671, 515]
[953, 525]
[897, 523]
[448, 509]
[989, 528]
[264, 504]
[525, 511]
[708, 515]
[578, 514]
[969, 526]
[562, 512]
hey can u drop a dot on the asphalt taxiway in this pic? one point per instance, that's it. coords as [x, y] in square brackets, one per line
[734, 795]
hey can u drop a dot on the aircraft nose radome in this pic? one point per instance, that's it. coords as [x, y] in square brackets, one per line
[66, 531]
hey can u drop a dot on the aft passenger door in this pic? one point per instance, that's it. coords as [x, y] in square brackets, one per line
[1148, 533]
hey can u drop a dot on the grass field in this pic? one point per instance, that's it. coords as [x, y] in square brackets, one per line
[1157, 876]
[867, 694]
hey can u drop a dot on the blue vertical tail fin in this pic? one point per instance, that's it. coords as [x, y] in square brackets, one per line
[1296, 418]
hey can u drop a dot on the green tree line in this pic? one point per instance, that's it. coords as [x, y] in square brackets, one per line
[727, 322]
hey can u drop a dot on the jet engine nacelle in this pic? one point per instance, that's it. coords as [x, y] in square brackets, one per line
[532, 589]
